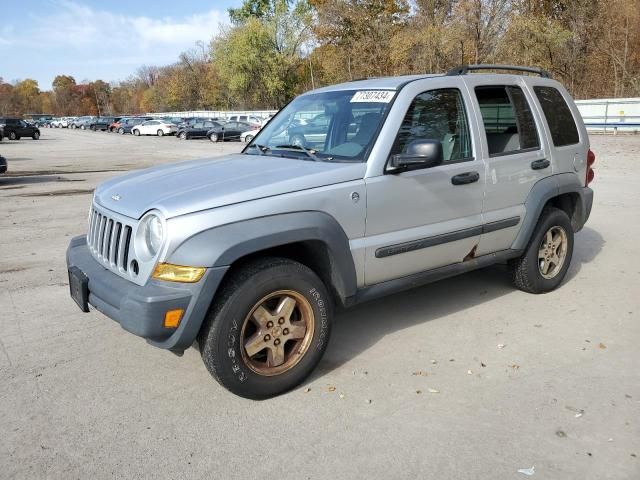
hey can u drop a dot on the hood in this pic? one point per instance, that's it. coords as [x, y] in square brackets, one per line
[196, 185]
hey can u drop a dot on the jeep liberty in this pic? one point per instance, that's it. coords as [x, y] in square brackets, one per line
[349, 193]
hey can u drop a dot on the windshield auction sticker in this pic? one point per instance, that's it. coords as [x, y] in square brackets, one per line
[379, 96]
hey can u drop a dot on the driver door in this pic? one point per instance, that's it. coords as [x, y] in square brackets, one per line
[422, 219]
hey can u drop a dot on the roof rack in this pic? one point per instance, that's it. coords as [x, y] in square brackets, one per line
[464, 69]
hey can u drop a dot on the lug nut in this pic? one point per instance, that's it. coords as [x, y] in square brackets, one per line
[285, 331]
[267, 338]
[269, 324]
[281, 320]
[276, 341]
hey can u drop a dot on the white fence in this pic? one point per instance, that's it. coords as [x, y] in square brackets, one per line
[606, 115]
[214, 113]
[611, 115]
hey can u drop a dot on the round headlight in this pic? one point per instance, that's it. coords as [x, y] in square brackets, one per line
[153, 233]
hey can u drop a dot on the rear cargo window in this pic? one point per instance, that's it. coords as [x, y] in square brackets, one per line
[561, 123]
[508, 121]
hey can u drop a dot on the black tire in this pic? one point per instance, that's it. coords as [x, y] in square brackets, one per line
[13, 136]
[526, 271]
[214, 137]
[220, 337]
[248, 138]
[36, 135]
[121, 131]
[136, 132]
[160, 133]
[183, 136]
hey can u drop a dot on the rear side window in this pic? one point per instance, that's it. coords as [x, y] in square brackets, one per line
[508, 121]
[561, 123]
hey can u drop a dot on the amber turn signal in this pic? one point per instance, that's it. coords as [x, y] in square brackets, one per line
[178, 273]
[172, 318]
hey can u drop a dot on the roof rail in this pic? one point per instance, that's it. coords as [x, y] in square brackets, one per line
[464, 69]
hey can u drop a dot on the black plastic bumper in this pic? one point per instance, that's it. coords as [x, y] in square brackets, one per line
[141, 309]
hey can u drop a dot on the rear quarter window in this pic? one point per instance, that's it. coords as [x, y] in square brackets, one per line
[556, 111]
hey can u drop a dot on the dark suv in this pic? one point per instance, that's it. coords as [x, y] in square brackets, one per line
[14, 128]
[102, 123]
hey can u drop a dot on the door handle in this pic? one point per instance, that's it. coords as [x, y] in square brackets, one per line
[540, 164]
[464, 178]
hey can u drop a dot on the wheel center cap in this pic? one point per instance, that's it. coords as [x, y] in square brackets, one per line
[276, 332]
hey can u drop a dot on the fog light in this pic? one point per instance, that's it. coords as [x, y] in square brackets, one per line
[172, 318]
[178, 273]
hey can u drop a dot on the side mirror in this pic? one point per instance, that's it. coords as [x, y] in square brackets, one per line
[418, 154]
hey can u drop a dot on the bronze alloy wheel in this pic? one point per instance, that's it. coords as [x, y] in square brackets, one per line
[552, 252]
[277, 332]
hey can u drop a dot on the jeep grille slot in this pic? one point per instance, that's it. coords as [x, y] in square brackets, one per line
[109, 240]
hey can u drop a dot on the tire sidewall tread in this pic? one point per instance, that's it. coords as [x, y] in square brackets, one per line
[219, 339]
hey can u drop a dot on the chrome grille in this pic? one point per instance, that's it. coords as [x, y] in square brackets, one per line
[109, 240]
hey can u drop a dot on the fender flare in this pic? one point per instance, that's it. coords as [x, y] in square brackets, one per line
[223, 245]
[543, 191]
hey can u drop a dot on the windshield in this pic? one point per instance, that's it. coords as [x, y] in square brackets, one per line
[338, 125]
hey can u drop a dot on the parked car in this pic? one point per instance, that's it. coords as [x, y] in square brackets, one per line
[82, 122]
[62, 122]
[42, 122]
[3, 165]
[199, 129]
[102, 123]
[15, 128]
[256, 122]
[126, 125]
[248, 135]
[250, 256]
[154, 127]
[228, 131]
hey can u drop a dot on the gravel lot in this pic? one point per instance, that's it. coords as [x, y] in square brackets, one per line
[547, 381]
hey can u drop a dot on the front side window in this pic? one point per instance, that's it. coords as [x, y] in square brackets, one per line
[437, 115]
[337, 125]
[561, 123]
[508, 121]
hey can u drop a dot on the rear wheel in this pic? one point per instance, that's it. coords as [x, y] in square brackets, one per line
[546, 260]
[160, 133]
[267, 328]
[121, 131]
[82, 127]
[13, 136]
[136, 132]
[248, 138]
[36, 135]
[182, 135]
[213, 137]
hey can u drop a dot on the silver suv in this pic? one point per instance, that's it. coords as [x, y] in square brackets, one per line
[407, 180]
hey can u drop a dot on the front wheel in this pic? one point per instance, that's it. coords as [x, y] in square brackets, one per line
[13, 136]
[82, 127]
[136, 132]
[160, 133]
[36, 135]
[546, 260]
[248, 138]
[213, 137]
[182, 135]
[267, 329]
[121, 131]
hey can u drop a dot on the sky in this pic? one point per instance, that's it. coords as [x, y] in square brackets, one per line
[105, 40]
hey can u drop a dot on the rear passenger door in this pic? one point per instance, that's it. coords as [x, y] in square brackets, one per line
[514, 154]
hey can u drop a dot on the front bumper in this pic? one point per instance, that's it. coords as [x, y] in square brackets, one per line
[141, 309]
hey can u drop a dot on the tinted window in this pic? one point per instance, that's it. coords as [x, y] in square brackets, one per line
[437, 115]
[508, 121]
[561, 123]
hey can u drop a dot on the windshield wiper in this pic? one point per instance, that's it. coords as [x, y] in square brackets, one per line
[310, 153]
[263, 149]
